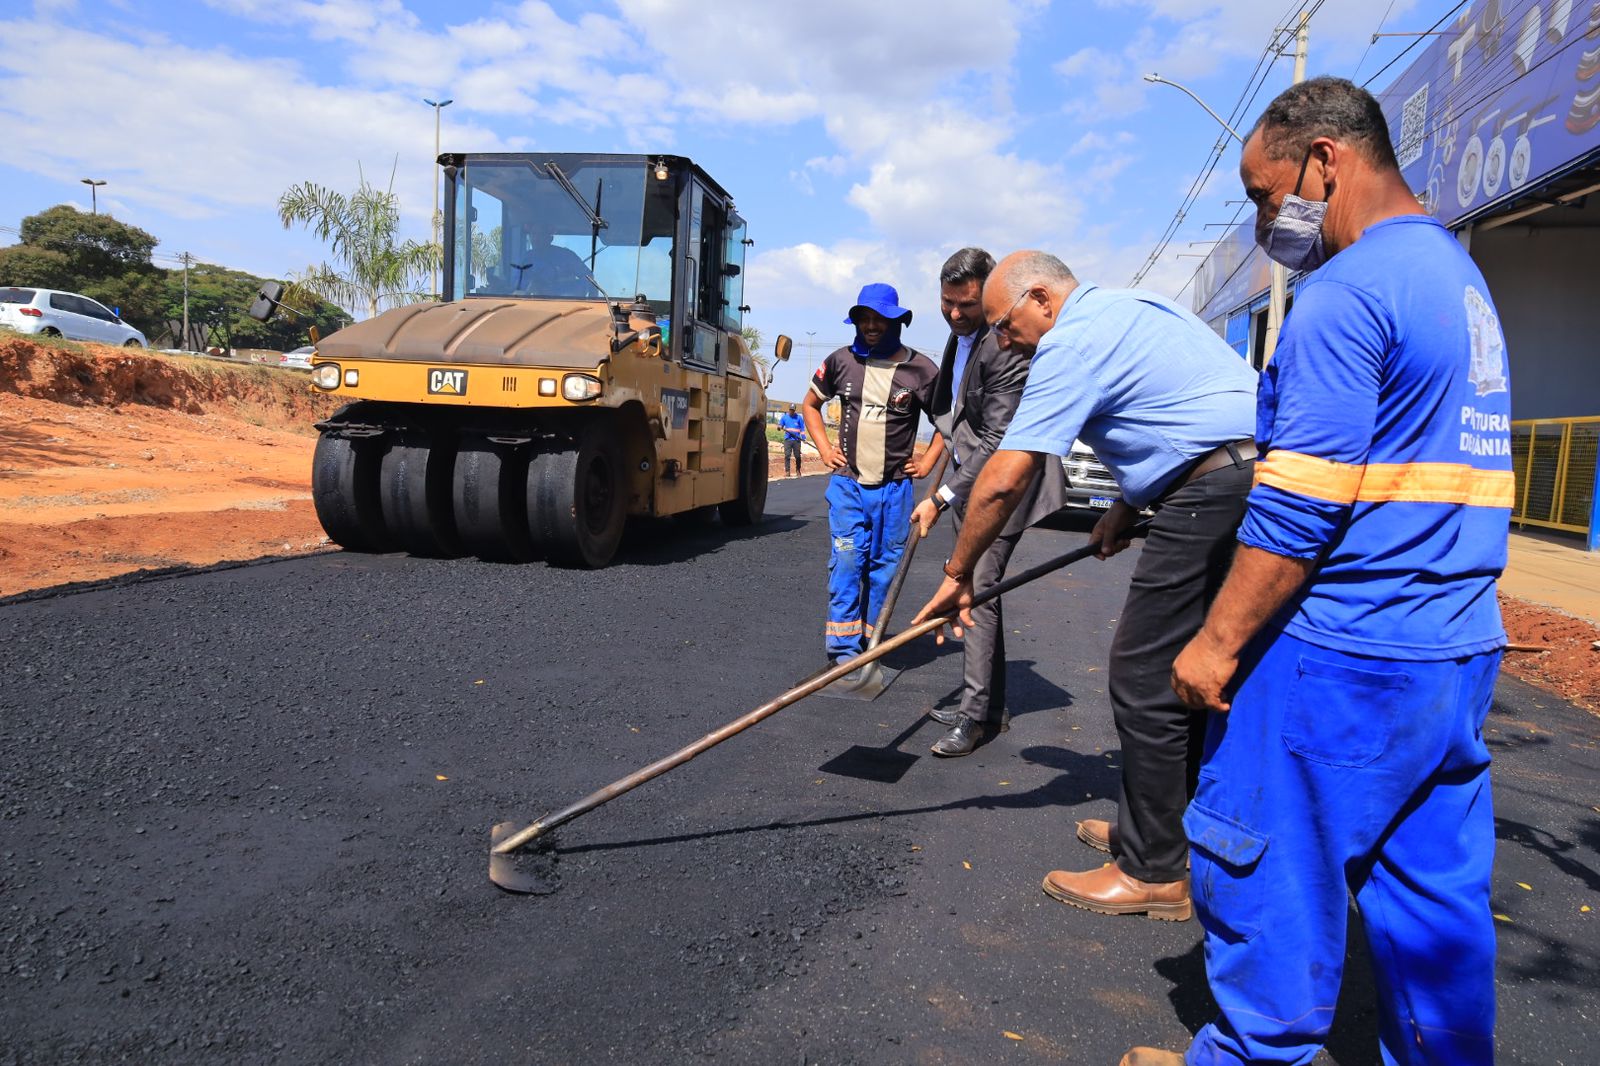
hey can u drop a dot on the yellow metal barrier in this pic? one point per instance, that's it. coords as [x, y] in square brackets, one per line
[1554, 460]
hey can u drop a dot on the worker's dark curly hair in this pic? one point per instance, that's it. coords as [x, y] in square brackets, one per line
[1325, 107]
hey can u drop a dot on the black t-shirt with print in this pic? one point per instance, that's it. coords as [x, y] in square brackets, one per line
[880, 400]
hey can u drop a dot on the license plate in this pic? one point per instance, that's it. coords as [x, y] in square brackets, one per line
[1103, 502]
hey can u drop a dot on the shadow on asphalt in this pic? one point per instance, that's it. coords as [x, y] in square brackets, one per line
[885, 765]
[1027, 691]
[666, 541]
[1562, 854]
[1354, 1036]
[1084, 779]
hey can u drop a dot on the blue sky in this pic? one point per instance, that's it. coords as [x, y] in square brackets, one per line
[862, 142]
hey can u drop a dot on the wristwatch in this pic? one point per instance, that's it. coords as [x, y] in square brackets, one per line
[954, 574]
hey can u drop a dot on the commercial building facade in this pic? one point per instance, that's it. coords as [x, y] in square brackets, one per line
[1497, 129]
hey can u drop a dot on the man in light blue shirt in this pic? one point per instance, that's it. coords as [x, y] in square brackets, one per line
[1170, 410]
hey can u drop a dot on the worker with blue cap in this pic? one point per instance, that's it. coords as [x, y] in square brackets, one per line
[883, 387]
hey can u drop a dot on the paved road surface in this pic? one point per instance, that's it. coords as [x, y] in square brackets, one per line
[246, 814]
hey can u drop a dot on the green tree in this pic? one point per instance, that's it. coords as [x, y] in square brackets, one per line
[96, 246]
[218, 298]
[369, 268]
[752, 340]
[42, 268]
[106, 260]
[137, 295]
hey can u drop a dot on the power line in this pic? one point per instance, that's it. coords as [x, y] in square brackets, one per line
[1373, 40]
[1420, 38]
[1247, 98]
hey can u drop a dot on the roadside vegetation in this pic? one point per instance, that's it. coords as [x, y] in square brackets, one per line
[113, 262]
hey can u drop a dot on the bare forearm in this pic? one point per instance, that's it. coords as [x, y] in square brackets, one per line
[999, 489]
[813, 420]
[1258, 586]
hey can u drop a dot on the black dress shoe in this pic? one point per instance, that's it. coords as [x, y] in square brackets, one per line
[965, 738]
[947, 715]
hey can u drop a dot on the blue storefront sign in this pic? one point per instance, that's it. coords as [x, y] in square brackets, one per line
[1506, 98]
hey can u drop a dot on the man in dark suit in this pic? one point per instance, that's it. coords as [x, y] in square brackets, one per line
[977, 392]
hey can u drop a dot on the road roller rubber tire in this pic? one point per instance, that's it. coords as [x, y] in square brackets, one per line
[489, 498]
[414, 488]
[747, 508]
[577, 505]
[344, 491]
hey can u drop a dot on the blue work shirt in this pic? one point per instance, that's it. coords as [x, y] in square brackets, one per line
[793, 426]
[1385, 429]
[1140, 380]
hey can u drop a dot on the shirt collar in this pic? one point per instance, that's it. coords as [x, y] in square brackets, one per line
[1077, 294]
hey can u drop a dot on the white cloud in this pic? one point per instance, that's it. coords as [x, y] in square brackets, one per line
[1194, 39]
[215, 133]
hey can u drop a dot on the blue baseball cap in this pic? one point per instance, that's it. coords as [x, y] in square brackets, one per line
[882, 299]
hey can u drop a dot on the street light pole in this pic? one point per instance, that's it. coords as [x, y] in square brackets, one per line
[438, 106]
[1280, 275]
[1159, 80]
[94, 189]
[811, 353]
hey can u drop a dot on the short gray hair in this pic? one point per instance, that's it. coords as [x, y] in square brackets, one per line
[1325, 107]
[1029, 269]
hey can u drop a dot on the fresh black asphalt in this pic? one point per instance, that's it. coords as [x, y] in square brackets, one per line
[246, 816]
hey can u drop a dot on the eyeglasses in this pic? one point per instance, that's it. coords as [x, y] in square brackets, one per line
[1003, 323]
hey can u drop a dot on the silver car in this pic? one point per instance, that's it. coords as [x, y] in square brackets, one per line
[1089, 483]
[52, 313]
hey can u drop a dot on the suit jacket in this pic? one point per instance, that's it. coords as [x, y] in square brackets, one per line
[974, 418]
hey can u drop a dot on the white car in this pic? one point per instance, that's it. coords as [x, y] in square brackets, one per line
[1089, 483]
[53, 313]
[300, 358]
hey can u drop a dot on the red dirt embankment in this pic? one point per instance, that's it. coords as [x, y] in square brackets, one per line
[114, 460]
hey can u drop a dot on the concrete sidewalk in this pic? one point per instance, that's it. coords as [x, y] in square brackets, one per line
[1554, 571]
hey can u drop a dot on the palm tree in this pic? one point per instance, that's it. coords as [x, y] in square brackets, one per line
[368, 266]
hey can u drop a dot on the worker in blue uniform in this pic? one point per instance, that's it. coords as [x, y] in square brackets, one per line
[1350, 657]
[794, 431]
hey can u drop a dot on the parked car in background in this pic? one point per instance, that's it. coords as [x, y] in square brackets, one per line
[300, 358]
[52, 313]
[1089, 483]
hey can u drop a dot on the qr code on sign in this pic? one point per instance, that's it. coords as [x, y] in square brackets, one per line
[1413, 127]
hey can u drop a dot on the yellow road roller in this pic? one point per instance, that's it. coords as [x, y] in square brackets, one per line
[585, 364]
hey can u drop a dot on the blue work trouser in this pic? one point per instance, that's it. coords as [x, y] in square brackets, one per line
[868, 526]
[1336, 773]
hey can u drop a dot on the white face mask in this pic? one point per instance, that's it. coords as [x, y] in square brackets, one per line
[1295, 236]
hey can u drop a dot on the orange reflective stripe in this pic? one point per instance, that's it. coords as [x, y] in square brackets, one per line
[1306, 475]
[1438, 483]
[844, 629]
[1322, 479]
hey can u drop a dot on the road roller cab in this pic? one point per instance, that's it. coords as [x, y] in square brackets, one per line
[585, 364]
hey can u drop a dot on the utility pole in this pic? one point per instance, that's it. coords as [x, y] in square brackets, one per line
[187, 259]
[438, 106]
[1280, 273]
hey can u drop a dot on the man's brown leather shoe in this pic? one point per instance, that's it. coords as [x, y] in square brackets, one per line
[1149, 1056]
[1101, 834]
[1110, 891]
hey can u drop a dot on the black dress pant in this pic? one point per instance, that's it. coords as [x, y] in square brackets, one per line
[983, 648]
[1185, 558]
